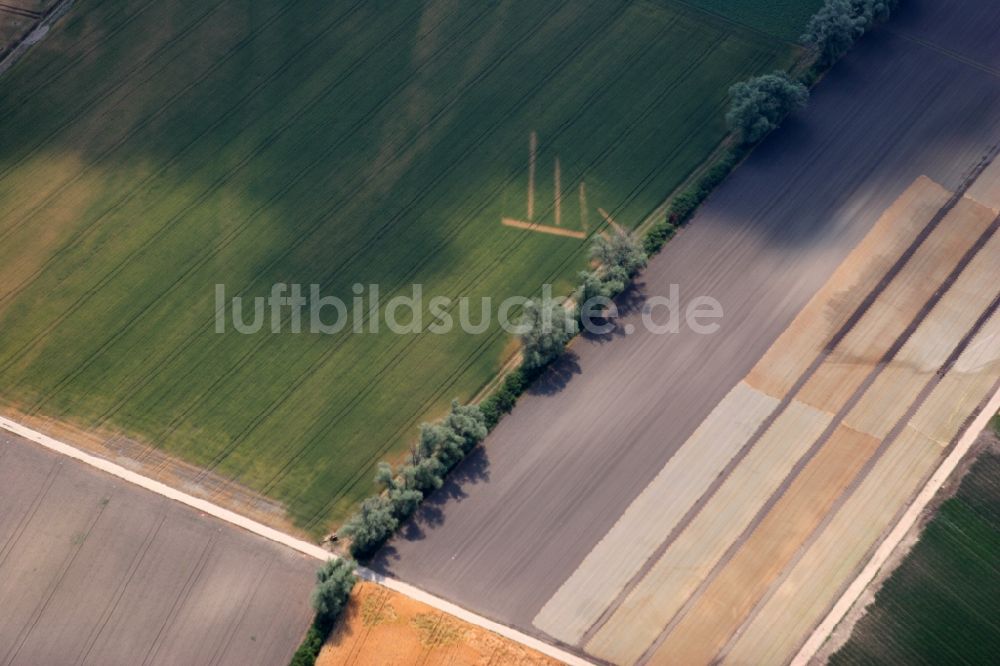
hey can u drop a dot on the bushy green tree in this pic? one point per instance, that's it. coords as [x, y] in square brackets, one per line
[425, 474]
[334, 582]
[549, 326]
[875, 11]
[442, 442]
[619, 248]
[591, 286]
[467, 423]
[833, 29]
[403, 498]
[760, 104]
[371, 526]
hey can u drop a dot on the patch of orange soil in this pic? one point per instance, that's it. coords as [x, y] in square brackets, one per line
[381, 627]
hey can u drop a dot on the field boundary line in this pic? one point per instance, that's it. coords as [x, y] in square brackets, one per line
[902, 527]
[286, 540]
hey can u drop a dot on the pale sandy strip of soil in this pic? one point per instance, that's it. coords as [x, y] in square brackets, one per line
[279, 537]
[382, 627]
[662, 592]
[847, 367]
[542, 228]
[725, 603]
[805, 338]
[803, 598]
[986, 189]
[651, 517]
[931, 344]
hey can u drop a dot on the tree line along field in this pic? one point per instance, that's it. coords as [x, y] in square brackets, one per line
[939, 606]
[155, 149]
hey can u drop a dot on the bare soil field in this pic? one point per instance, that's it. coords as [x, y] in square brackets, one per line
[96, 571]
[382, 627]
[557, 479]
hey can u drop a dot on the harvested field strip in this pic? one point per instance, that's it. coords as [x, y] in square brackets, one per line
[661, 592]
[969, 381]
[900, 382]
[800, 602]
[802, 598]
[861, 272]
[723, 604]
[648, 521]
[844, 370]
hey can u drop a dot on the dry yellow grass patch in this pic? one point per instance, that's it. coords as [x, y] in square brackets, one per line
[381, 628]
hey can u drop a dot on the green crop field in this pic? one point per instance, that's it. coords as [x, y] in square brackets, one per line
[152, 150]
[782, 18]
[940, 605]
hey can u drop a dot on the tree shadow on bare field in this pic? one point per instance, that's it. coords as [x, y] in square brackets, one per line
[628, 302]
[557, 376]
[472, 470]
